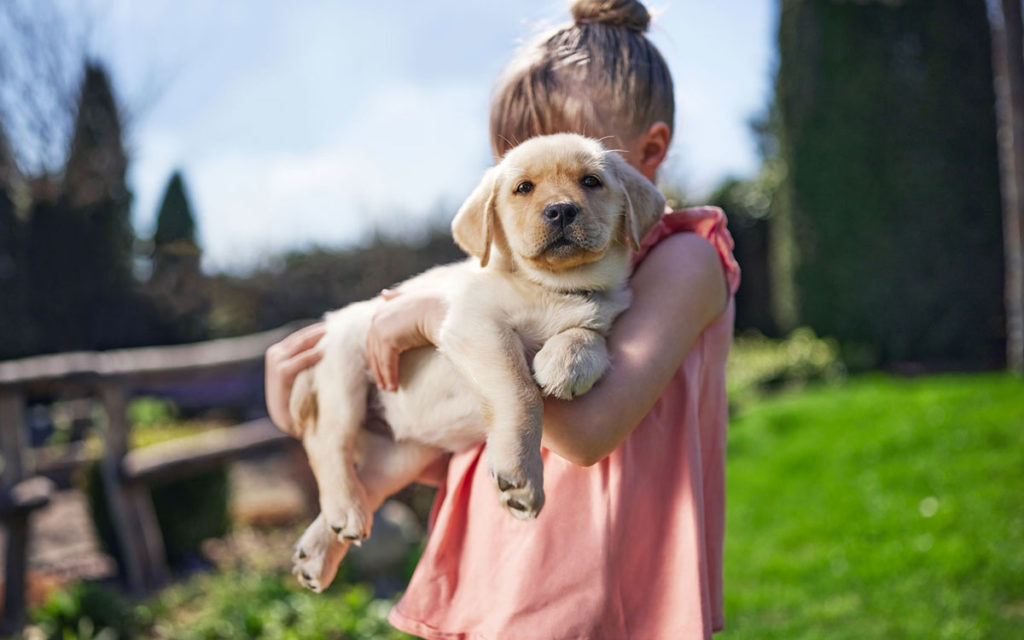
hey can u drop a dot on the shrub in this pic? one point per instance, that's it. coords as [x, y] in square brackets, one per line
[188, 510]
[237, 605]
[758, 364]
[88, 611]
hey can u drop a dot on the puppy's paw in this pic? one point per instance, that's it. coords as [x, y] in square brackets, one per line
[570, 363]
[317, 556]
[524, 502]
[521, 490]
[349, 521]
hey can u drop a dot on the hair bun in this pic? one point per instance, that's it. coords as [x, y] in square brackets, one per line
[628, 14]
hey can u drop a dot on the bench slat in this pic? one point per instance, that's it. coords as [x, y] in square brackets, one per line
[201, 451]
[143, 364]
[28, 495]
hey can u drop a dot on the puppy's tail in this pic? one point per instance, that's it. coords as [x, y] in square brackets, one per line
[303, 403]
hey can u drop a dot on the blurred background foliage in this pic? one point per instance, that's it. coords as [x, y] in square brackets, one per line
[888, 132]
[875, 218]
[227, 605]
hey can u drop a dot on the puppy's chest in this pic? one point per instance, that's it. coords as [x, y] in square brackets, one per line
[554, 312]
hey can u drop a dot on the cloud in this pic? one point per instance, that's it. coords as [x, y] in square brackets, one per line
[321, 121]
[406, 149]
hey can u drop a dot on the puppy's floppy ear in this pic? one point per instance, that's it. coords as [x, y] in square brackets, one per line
[473, 226]
[644, 203]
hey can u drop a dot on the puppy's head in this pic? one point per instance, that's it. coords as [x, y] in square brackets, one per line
[563, 209]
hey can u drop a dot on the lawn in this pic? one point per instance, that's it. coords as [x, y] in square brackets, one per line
[879, 508]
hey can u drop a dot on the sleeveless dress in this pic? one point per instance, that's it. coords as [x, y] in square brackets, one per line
[629, 548]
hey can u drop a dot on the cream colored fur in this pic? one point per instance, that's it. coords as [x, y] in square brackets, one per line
[527, 315]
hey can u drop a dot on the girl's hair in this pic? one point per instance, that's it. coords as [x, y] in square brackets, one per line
[599, 76]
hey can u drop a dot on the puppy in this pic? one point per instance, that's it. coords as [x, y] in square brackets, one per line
[549, 230]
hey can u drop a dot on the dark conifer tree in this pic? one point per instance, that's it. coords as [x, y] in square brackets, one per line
[80, 242]
[888, 135]
[175, 221]
[16, 335]
[177, 286]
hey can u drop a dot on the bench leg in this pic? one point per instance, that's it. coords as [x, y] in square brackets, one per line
[131, 507]
[16, 558]
[12, 444]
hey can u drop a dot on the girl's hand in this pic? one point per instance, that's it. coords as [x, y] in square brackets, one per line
[284, 361]
[405, 321]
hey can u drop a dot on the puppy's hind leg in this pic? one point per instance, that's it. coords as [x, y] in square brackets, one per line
[333, 458]
[390, 466]
[387, 467]
[331, 445]
[317, 556]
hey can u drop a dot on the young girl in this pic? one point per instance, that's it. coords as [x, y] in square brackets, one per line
[629, 544]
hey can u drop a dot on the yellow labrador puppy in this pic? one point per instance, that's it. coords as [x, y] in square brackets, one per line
[549, 229]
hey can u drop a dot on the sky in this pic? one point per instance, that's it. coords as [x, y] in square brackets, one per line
[317, 122]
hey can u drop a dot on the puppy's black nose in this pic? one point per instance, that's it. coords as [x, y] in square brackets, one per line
[561, 213]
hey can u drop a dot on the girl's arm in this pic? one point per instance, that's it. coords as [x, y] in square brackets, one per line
[677, 291]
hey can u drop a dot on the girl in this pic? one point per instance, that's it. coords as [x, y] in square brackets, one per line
[629, 544]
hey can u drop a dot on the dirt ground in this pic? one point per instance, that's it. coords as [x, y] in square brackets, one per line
[63, 545]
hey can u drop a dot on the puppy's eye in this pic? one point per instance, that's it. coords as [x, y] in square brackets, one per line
[591, 182]
[524, 187]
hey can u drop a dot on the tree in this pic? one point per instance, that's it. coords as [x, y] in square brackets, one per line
[1008, 57]
[888, 135]
[41, 55]
[758, 221]
[80, 243]
[176, 285]
[748, 205]
[175, 221]
[16, 336]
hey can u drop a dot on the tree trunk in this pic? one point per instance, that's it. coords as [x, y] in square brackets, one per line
[1008, 55]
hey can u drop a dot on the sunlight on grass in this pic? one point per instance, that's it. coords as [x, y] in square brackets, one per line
[881, 508]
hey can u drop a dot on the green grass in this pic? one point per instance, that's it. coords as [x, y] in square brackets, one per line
[879, 508]
[876, 508]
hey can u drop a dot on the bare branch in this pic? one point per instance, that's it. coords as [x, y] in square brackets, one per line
[41, 60]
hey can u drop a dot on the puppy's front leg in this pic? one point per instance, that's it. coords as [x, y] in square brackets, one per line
[492, 358]
[571, 362]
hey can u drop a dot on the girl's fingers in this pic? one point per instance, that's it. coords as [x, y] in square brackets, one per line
[374, 361]
[300, 362]
[391, 372]
[389, 294]
[303, 339]
[383, 363]
[375, 367]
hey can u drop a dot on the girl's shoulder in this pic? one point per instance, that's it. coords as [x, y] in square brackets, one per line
[707, 222]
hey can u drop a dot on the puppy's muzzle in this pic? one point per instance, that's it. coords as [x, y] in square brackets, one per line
[561, 214]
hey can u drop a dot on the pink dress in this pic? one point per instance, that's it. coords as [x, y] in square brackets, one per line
[629, 548]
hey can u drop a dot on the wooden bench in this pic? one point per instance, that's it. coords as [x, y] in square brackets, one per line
[19, 497]
[113, 377]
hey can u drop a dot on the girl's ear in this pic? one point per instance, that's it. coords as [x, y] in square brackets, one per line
[473, 226]
[644, 204]
[650, 149]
